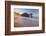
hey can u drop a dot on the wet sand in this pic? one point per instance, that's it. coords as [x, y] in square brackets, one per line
[20, 21]
[25, 22]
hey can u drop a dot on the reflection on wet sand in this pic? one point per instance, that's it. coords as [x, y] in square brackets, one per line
[21, 21]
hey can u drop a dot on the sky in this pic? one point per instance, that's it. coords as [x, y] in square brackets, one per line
[35, 12]
[25, 10]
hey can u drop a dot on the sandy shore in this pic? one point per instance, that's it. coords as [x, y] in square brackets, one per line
[20, 21]
[22, 24]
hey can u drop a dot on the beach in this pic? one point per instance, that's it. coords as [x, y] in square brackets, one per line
[26, 22]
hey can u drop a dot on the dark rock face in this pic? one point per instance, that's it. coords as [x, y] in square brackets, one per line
[30, 15]
[25, 15]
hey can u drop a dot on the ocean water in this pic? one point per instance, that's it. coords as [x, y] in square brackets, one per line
[35, 21]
